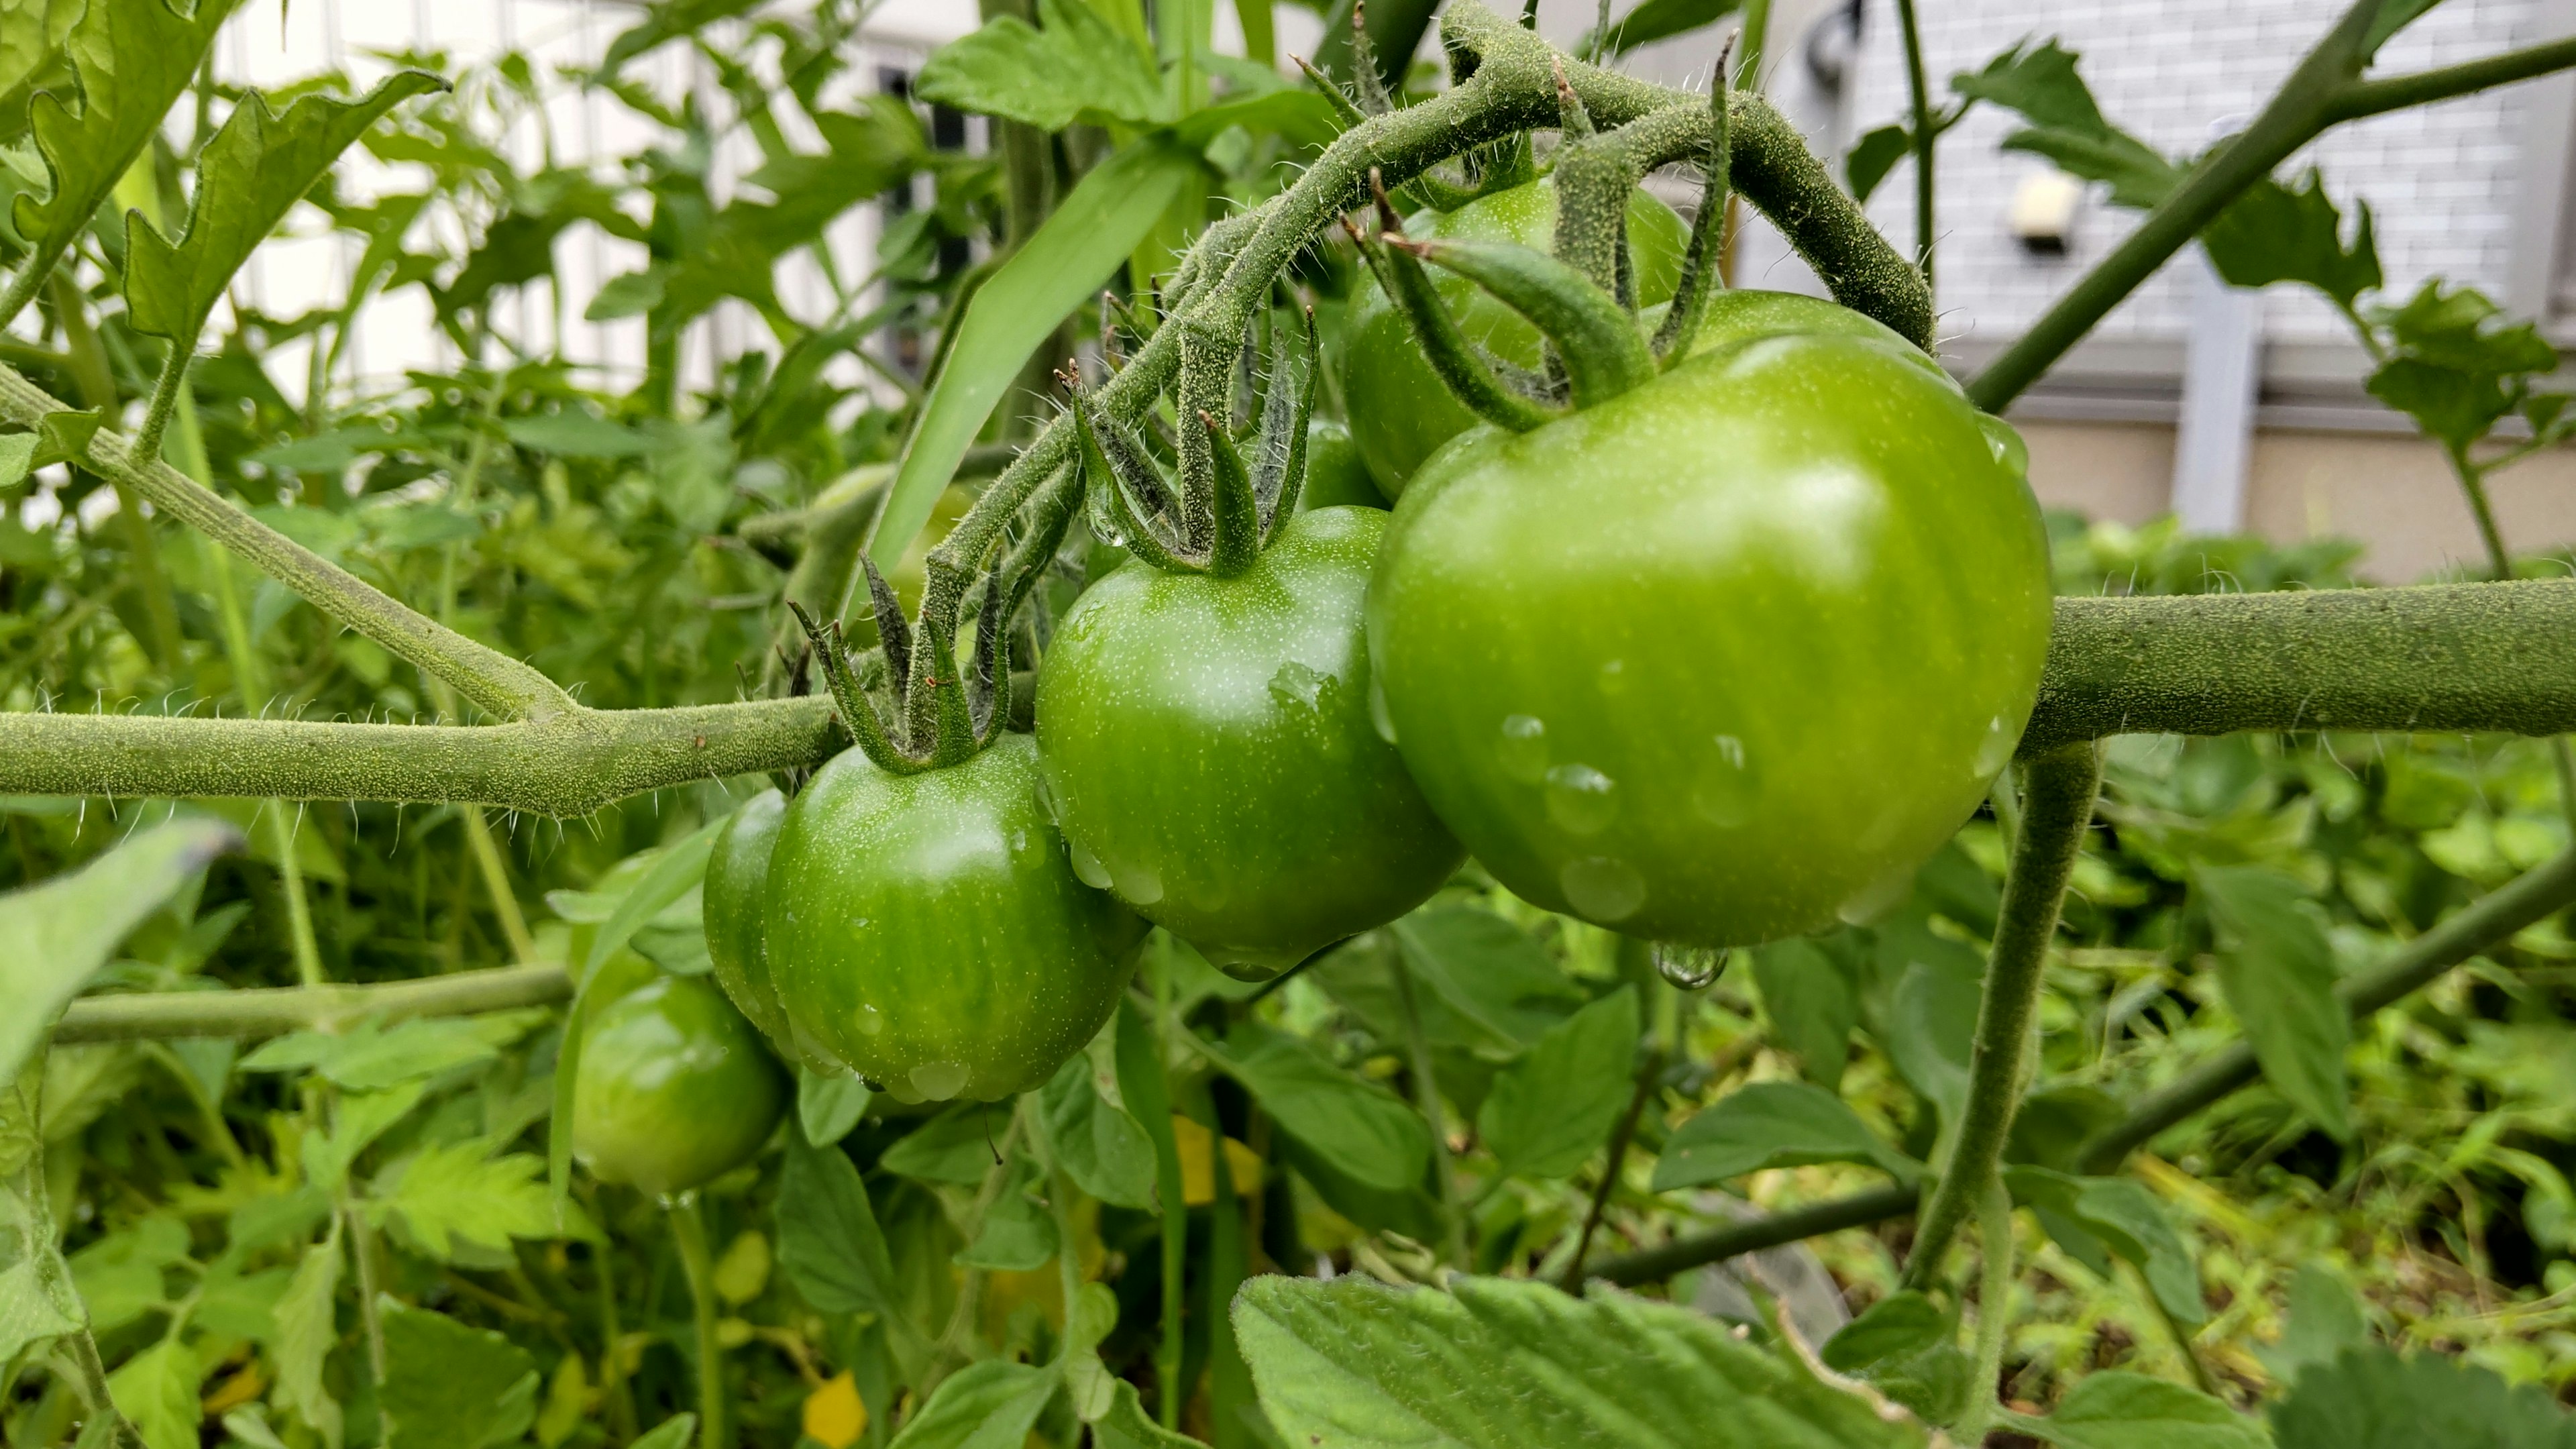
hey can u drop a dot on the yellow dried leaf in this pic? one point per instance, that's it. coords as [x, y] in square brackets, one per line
[1198, 1170]
[834, 1415]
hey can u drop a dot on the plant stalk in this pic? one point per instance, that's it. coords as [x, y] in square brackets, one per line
[1919, 92]
[1995, 1279]
[1649, 1072]
[689, 1235]
[1426, 1098]
[261, 1011]
[2057, 810]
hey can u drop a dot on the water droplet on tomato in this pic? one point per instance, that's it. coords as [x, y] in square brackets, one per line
[1872, 902]
[1688, 967]
[1581, 800]
[1087, 866]
[939, 1081]
[1602, 889]
[1137, 883]
[1728, 785]
[1250, 963]
[871, 1021]
[1298, 685]
[811, 1047]
[1047, 800]
[1994, 751]
[2006, 444]
[1523, 752]
[1379, 718]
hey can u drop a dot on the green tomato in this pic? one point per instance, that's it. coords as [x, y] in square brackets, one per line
[1335, 476]
[1400, 411]
[737, 874]
[674, 1088]
[927, 932]
[1209, 753]
[1726, 656]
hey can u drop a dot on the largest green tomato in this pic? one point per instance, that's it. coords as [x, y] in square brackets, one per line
[1209, 752]
[1400, 411]
[927, 931]
[1726, 656]
[673, 1087]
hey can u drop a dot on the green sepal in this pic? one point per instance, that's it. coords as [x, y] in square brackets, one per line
[1280, 475]
[1365, 79]
[988, 689]
[941, 712]
[1108, 487]
[1452, 357]
[858, 713]
[1603, 354]
[1237, 509]
[1051, 513]
[1344, 111]
[1593, 179]
[1699, 279]
[894, 636]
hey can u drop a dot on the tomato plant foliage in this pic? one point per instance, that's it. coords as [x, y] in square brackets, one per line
[776, 899]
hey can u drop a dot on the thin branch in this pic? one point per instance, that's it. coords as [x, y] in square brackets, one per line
[2057, 810]
[275, 1010]
[489, 678]
[1926, 136]
[2397, 92]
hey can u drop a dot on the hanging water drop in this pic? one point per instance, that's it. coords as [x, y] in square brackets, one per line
[1523, 752]
[1379, 718]
[1687, 967]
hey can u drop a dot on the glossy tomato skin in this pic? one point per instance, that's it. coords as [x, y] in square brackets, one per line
[737, 876]
[928, 932]
[674, 1088]
[1399, 410]
[1209, 752]
[1724, 657]
[1335, 476]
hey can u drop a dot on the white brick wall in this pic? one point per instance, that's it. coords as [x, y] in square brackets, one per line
[2443, 181]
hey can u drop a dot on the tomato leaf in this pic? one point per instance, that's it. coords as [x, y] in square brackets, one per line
[248, 177]
[134, 58]
[1072, 63]
[1490, 974]
[2326, 1317]
[156, 1390]
[62, 437]
[2122, 1410]
[1773, 1124]
[1496, 1362]
[2272, 233]
[1059, 268]
[306, 1332]
[2278, 972]
[1103, 1148]
[1017, 1235]
[1369, 1133]
[1126, 1427]
[1550, 1110]
[1813, 1006]
[54, 937]
[448, 1386]
[2066, 124]
[462, 1192]
[673, 874]
[2095, 1218]
[1932, 1013]
[956, 1147]
[33, 38]
[827, 1108]
[828, 1239]
[661, 25]
[988, 1405]
[1873, 156]
[2374, 1398]
[1655, 20]
[1905, 1346]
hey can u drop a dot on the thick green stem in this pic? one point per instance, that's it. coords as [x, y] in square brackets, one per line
[689, 1235]
[1995, 1279]
[93, 1384]
[1426, 1098]
[489, 678]
[274, 1010]
[1169, 1355]
[2057, 810]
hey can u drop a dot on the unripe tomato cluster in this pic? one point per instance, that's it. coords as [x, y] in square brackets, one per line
[1714, 661]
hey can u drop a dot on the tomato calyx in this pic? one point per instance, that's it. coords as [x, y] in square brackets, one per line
[935, 714]
[1218, 525]
[1582, 299]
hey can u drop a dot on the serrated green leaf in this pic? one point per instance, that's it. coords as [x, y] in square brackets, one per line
[988, 1405]
[2095, 1217]
[448, 1386]
[156, 1390]
[2122, 1410]
[133, 58]
[1370, 1134]
[2326, 1317]
[1104, 1149]
[1060, 267]
[573, 433]
[371, 1058]
[828, 1239]
[1076, 65]
[248, 177]
[2278, 972]
[306, 1331]
[1773, 1124]
[662, 24]
[1873, 156]
[1549, 1111]
[358, 1121]
[33, 37]
[675, 872]
[2374, 1398]
[1358, 1365]
[2039, 81]
[2272, 233]
[54, 937]
[119, 1276]
[828, 1107]
[1488, 973]
[461, 1191]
